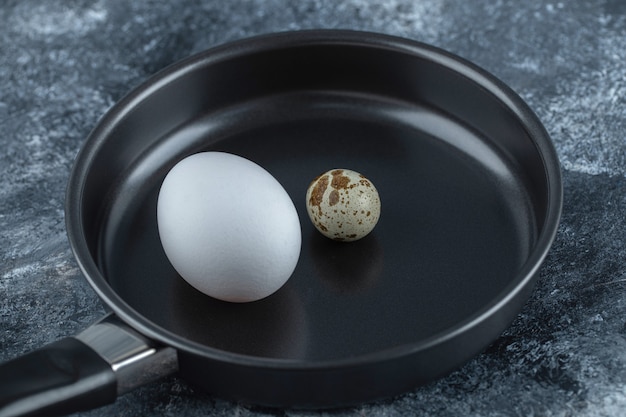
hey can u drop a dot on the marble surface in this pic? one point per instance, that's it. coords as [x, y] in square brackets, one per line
[63, 63]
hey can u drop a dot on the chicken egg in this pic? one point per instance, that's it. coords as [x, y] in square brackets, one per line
[343, 205]
[228, 227]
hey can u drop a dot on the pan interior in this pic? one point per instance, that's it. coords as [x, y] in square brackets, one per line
[457, 225]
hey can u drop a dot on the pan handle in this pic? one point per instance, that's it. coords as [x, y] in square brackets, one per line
[82, 372]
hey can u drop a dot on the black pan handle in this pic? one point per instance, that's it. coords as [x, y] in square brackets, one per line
[61, 378]
[83, 372]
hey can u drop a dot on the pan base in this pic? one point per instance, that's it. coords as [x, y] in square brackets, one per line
[456, 225]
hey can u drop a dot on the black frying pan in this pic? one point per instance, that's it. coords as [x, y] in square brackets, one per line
[471, 198]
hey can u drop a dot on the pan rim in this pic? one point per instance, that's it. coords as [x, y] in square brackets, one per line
[231, 50]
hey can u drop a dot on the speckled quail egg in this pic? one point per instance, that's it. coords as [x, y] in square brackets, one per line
[343, 205]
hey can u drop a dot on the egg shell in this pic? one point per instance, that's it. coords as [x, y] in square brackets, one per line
[343, 205]
[228, 227]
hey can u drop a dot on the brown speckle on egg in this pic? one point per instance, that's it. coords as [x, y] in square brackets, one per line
[317, 188]
[333, 198]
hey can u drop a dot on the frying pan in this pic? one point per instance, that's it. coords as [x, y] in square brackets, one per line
[471, 198]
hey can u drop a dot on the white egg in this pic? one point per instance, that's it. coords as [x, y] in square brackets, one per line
[343, 205]
[228, 227]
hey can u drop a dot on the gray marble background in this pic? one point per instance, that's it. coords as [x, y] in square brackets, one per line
[64, 63]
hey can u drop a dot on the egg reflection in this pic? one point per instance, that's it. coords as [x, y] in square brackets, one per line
[274, 327]
[347, 268]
